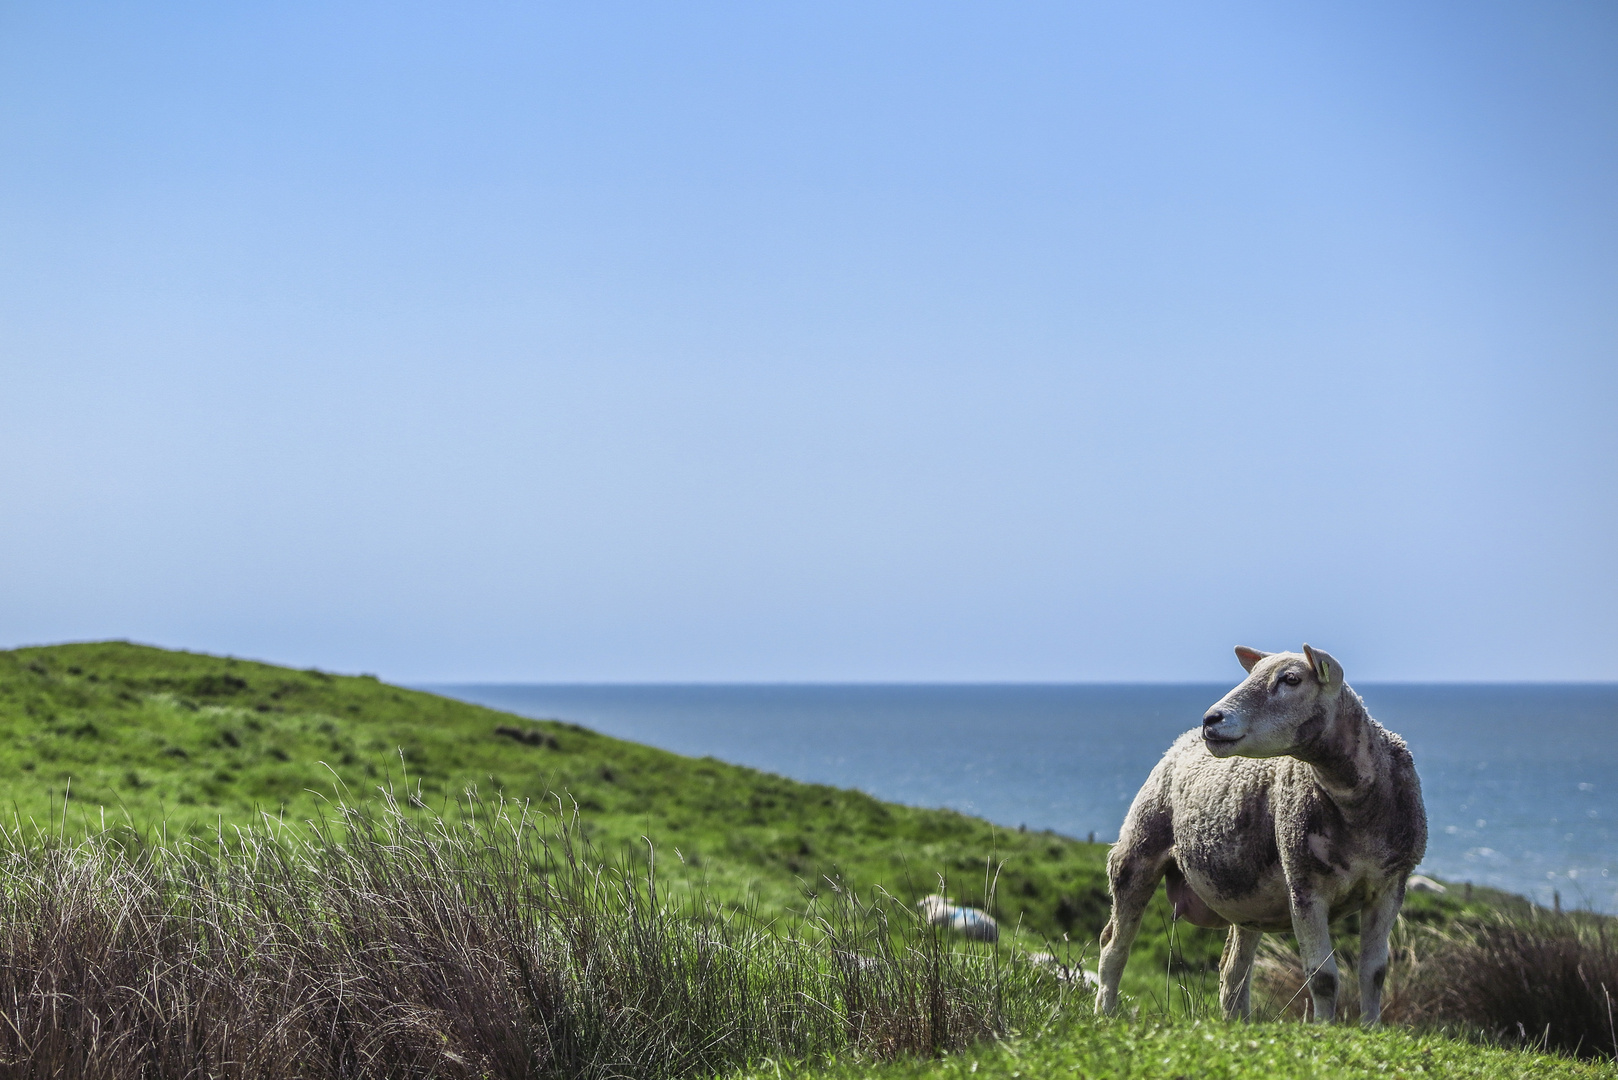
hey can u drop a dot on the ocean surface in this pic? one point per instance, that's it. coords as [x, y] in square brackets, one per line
[1521, 781]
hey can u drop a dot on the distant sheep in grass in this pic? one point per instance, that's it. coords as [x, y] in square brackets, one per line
[1287, 810]
[976, 925]
[1069, 973]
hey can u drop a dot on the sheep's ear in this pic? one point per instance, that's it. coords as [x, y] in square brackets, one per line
[1327, 670]
[1249, 657]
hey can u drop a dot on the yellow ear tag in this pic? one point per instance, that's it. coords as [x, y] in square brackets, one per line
[1323, 671]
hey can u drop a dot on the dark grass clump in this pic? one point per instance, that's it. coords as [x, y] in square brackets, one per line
[1530, 978]
[1547, 980]
[396, 945]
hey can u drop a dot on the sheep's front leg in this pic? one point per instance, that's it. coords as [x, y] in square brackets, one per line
[1311, 925]
[1376, 922]
[1236, 973]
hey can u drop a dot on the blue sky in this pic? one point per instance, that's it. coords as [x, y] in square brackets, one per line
[803, 342]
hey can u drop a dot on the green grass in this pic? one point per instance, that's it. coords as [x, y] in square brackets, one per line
[1203, 1050]
[186, 742]
[182, 743]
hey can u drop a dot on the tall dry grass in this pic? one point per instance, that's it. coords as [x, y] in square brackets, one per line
[392, 944]
[1541, 979]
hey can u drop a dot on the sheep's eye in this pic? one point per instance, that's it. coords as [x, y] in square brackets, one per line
[1291, 678]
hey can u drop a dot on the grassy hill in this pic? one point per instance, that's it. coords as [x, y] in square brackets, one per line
[186, 742]
[181, 743]
[121, 733]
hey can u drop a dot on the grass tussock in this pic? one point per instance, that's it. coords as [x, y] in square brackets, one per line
[1537, 979]
[1548, 980]
[392, 944]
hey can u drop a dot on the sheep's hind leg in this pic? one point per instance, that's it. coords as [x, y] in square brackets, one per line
[1133, 873]
[1236, 973]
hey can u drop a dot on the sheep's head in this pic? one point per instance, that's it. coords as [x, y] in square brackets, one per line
[1269, 714]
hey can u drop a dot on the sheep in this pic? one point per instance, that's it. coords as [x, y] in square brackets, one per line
[1068, 973]
[1423, 883]
[1287, 810]
[976, 925]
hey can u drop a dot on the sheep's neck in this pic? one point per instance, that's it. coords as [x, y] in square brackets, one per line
[1344, 755]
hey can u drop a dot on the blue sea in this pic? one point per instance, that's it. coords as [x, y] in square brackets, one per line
[1521, 781]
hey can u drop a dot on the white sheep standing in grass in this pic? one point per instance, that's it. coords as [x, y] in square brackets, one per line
[941, 911]
[1287, 810]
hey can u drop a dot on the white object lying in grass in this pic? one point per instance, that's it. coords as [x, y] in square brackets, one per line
[1065, 972]
[975, 924]
[1423, 883]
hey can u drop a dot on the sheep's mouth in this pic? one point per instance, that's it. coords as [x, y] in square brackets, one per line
[1221, 740]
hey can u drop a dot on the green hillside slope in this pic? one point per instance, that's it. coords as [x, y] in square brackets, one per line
[184, 743]
[190, 741]
[114, 732]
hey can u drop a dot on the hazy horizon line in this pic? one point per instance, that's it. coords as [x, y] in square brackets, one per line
[414, 684]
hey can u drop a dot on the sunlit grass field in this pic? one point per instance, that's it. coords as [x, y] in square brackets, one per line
[114, 739]
[124, 734]
[1182, 1049]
